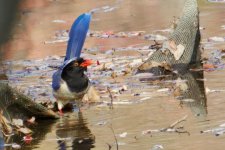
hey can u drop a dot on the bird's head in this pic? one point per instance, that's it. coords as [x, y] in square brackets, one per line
[76, 68]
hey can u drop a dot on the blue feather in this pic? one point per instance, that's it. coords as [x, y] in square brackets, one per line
[77, 36]
[56, 80]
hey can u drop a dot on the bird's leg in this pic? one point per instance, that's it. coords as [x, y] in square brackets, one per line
[60, 107]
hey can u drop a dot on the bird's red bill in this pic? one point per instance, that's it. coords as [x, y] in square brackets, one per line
[86, 63]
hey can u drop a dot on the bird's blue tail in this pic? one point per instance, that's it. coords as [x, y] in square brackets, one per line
[77, 36]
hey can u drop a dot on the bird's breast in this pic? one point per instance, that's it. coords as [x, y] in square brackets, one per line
[64, 94]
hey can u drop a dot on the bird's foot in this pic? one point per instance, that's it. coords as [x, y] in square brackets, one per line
[61, 112]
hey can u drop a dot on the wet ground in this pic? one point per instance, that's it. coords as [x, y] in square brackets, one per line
[119, 40]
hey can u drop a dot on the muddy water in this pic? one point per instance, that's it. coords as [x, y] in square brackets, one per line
[152, 109]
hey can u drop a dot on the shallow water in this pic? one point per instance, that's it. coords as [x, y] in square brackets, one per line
[152, 109]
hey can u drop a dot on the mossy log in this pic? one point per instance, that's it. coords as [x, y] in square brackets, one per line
[14, 103]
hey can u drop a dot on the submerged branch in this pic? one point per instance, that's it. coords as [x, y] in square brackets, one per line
[111, 97]
[171, 128]
[117, 146]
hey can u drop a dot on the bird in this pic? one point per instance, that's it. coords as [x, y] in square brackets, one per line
[69, 82]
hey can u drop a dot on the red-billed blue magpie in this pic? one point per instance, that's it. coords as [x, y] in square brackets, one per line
[69, 81]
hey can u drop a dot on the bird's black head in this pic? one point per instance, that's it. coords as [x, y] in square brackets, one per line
[76, 68]
[73, 74]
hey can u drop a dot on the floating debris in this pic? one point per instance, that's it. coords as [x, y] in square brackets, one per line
[176, 50]
[13, 145]
[187, 100]
[217, 131]
[60, 36]
[207, 90]
[169, 30]
[103, 9]
[156, 37]
[157, 147]
[216, 1]
[111, 34]
[101, 123]
[123, 135]
[58, 21]
[17, 122]
[31, 120]
[16, 146]
[216, 39]
[24, 130]
[172, 128]
[163, 90]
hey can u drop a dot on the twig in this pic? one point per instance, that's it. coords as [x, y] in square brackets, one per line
[179, 131]
[173, 125]
[178, 121]
[110, 146]
[117, 146]
[171, 128]
[111, 97]
[156, 45]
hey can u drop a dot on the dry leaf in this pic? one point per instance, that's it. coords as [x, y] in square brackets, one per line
[113, 75]
[166, 66]
[208, 66]
[176, 50]
[173, 45]
[181, 84]
[31, 120]
[17, 122]
[91, 96]
[179, 52]
[24, 130]
[177, 92]
[16, 146]
[123, 135]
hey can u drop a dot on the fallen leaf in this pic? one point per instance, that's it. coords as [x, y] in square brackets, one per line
[17, 122]
[208, 66]
[113, 75]
[101, 123]
[157, 147]
[124, 88]
[31, 120]
[172, 45]
[16, 146]
[216, 39]
[98, 63]
[163, 90]
[179, 52]
[181, 84]
[24, 130]
[188, 100]
[123, 135]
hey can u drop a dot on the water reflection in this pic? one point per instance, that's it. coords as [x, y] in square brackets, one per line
[77, 130]
[73, 126]
[71, 132]
[195, 95]
[39, 131]
[187, 86]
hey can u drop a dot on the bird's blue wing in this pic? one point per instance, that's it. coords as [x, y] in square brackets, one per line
[56, 78]
[77, 36]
